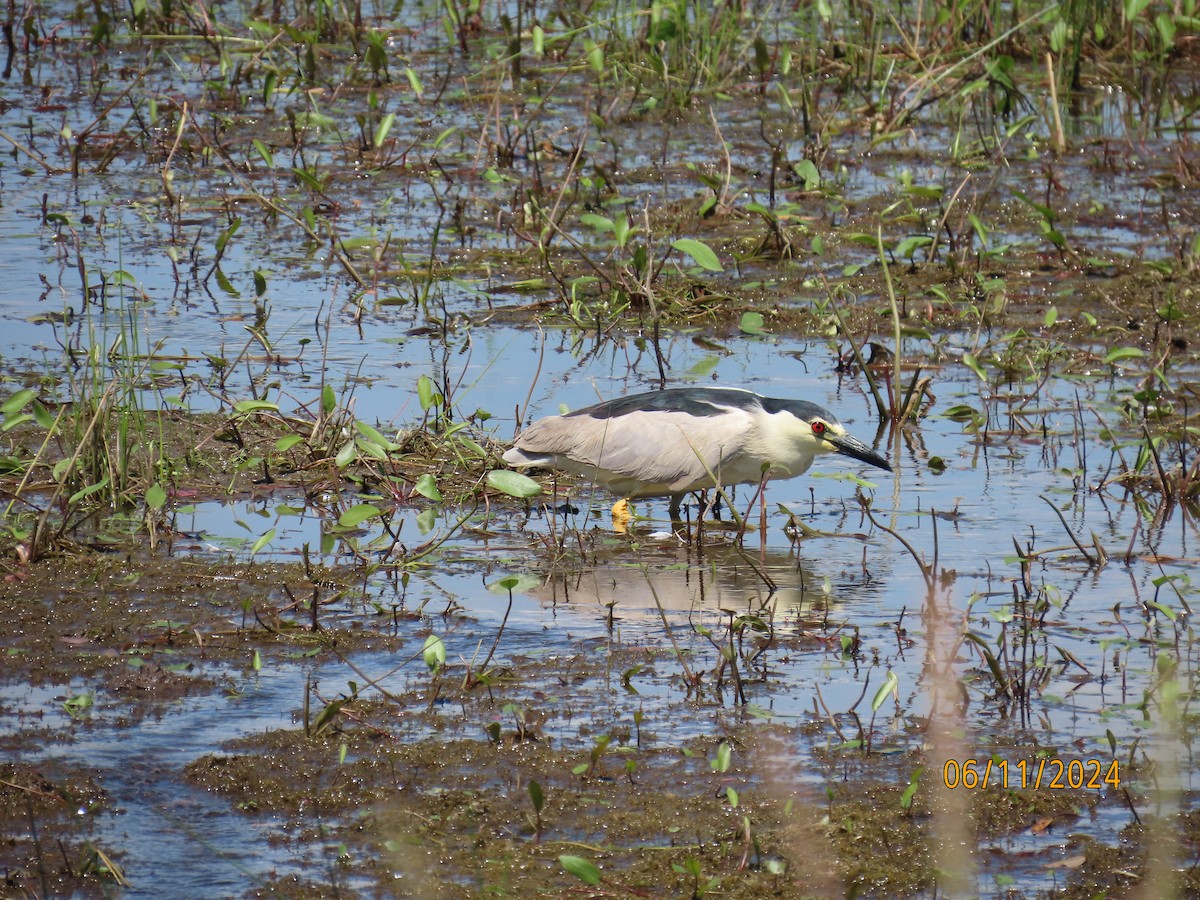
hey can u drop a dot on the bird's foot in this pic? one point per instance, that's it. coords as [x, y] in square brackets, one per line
[622, 516]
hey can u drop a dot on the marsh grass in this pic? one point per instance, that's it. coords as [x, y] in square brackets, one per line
[104, 456]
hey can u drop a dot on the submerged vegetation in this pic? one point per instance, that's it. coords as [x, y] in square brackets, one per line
[982, 216]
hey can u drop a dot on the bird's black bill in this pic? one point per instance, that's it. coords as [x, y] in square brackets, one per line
[853, 447]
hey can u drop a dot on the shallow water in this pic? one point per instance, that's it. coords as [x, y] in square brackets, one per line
[626, 593]
[602, 600]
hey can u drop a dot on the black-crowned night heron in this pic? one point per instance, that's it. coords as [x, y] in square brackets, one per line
[672, 442]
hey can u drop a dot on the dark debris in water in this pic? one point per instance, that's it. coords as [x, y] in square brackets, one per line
[46, 815]
[428, 786]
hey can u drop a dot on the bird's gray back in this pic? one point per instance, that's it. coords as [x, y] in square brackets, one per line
[700, 402]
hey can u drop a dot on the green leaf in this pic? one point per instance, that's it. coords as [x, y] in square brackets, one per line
[925, 192]
[17, 401]
[1059, 35]
[1040, 208]
[724, 755]
[263, 152]
[890, 686]
[700, 252]
[472, 446]
[622, 231]
[10, 465]
[226, 285]
[78, 704]
[307, 179]
[425, 392]
[973, 364]
[252, 406]
[272, 79]
[373, 435]
[978, 228]
[370, 450]
[288, 441]
[909, 245]
[751, 323]
[513, 483]
[1054, 236]
[427, 487]
[327, 717]
[1118, 353]
[599, 223]
[537, 796]
[434, 653]
[156, 496]
[42, 416]
[426, 520]
[914, 782]
[517, 584]
[224, 236]
[627, 678]
[414, 82]
[1162, 608]
[1170, 312]
[595, 55]
[88, 491]
[346, 455]
[262, 542]
[381, 131]
[808, 172]
[583, 869]
[528, 285]
[356, 515]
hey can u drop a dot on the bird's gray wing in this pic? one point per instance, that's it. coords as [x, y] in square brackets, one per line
[669, 448]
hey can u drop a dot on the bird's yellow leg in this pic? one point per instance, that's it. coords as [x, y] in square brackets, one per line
[622, 516]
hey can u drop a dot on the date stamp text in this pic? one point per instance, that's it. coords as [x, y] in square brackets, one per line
[1048, 773]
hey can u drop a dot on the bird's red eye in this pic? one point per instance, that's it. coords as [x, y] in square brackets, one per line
[818, 428]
